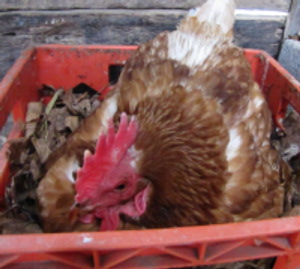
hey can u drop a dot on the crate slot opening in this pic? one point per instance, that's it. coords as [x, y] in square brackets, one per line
[114, 72]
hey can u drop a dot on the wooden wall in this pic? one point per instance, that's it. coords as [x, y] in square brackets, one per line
[27, 22]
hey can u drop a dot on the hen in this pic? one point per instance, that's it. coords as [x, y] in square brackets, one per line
[183, 139]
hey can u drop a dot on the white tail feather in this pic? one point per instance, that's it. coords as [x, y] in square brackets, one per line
[216, 12]
[192, 43]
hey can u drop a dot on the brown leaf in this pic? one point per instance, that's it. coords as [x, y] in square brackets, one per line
[18, 151]
[21, 198]
[35, 168]
[11, 225]
[293, 212]
[68, 100]
[72, 122]
[290, 143]
[34, 112]
[57, 117]
[47, 131]
[83, 107]
[42, 148]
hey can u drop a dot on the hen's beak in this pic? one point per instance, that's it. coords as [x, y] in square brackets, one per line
[80, 213]
[74, 213]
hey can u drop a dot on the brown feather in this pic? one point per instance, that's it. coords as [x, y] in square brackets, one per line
[203, 140]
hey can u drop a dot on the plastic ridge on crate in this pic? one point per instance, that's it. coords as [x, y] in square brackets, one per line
[63, 66]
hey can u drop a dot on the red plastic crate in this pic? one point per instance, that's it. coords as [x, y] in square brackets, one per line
[64, 67]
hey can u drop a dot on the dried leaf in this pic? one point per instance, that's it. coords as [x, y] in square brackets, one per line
[290, 142]
[34, 112]
[287, 142]
[293, 212]
[11, 225]
[68, 100]
[61, 140]
[46, 132]
[20, 195]
[57, 118]
[83, 107]
[35, 169]
[42, 148]
[72, 122]
[18, 151]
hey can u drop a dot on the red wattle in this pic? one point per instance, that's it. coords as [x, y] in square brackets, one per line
[110, 220]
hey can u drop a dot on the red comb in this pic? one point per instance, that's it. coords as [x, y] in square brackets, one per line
[110, 148]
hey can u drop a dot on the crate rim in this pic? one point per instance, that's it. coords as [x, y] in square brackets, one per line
[270, 230]
[128, 239]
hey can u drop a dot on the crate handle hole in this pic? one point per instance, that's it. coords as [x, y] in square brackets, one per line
[114, 72]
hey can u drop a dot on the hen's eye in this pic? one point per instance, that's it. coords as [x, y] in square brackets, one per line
[120, 187]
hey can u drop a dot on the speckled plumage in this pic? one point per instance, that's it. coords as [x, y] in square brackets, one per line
[203, 143]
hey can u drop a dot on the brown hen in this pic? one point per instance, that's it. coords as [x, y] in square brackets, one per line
[183, 139]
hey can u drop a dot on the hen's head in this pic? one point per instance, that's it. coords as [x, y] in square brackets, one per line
[108, 183]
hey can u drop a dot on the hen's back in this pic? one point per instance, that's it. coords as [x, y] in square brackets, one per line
[201, 55]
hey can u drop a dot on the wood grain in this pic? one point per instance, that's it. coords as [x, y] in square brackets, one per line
[21, 29]
[293, 24]
[282, 5]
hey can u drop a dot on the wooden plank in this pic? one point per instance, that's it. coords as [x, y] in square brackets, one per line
[281, 5]
[10, 49]
[18, 30]
[293, 24]
[263, 35]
